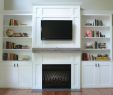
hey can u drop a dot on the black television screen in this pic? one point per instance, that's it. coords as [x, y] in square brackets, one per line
[56, 29]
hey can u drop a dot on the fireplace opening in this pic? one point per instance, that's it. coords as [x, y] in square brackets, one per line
[56, 76]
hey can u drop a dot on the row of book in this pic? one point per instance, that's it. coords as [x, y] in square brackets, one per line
[95, 45]
[92, 33]
[10, 56]
[99, 57]
[96, 22]
[86, 57]
[13, 22]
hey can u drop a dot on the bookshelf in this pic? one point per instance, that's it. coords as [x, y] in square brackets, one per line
[96, 36]
[17, 36]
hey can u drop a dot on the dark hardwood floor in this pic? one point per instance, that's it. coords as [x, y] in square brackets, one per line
[82, 92]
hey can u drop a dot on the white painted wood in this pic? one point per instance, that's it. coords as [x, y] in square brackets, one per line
[56, 58]
[9, 76]
[24, 20]
[105, 74]
[56, 13]
[38, 76]
[1, 35]
[96, 74]
[75, 76]
[105, 29]
[16, 75]
[37, 71]
[25, 75]
[89, 74]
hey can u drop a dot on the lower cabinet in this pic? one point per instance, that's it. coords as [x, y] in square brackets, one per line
[9, 76]
[16, 75]
[96, 74]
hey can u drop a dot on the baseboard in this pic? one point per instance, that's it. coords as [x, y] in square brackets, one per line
[40, 90]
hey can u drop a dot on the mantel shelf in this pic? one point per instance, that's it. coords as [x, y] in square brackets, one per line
[56, 50]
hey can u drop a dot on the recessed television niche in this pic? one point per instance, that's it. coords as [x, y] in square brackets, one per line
[56, 30]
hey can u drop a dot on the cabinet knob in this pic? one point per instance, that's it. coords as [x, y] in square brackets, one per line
[95, 65]
[98, 65]
[14, 65]
[17, 65]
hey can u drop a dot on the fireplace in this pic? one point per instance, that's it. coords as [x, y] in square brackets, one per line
[47, 66]
[56, 76]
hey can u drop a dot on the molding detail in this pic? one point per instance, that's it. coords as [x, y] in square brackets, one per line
[36, 2]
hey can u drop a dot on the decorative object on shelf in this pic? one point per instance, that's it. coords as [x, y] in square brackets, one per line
[102, 58]
[95, 45]
[23, 57]
[13, 22]
[24, 35]
[93, 33]
[12, 33]
[88, 33]
[9, 32]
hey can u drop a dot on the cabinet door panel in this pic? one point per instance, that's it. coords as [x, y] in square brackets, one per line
[105, 75]
[25, 75]
[9, 76]
[89, 75]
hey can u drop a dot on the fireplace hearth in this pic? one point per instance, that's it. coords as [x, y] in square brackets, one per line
[56, 76]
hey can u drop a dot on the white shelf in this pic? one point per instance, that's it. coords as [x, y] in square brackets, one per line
[96, 50]
[17, 37]
[7, 61]
[18, 26]
[95, 38]
[95, 26]
[89, 61]
[17, 49]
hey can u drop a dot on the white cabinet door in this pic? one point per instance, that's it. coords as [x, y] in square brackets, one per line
[89, 75]
[9, 75]
[96, 74]
[25, 75]
[105, 72]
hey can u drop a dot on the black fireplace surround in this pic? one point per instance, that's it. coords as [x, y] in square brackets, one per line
[56, 76]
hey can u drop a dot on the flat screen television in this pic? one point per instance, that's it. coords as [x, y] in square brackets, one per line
[56, 29]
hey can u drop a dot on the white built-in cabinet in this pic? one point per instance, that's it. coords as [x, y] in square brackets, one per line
[23, 74]
[16, 75]
[96, 35]
[96, 74]
[16, 44]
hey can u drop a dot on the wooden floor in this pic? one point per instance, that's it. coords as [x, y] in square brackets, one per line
[82, 92]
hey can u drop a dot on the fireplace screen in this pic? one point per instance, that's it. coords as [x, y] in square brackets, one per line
[56, 76]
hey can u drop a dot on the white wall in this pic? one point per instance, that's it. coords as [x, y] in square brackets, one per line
[18, 4]
[85, 4]
[1, 5]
